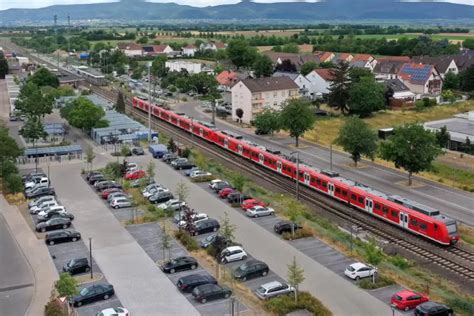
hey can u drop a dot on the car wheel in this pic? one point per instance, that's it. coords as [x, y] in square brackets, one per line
[203, 300]
[106, 297]
[172, 271]
[244, 278]
[272, 213]
[116, 207]
[214, 229]
[78, 304]
[51, 242]
[256, 215]
[65, 226]
[196, 233]
[244, 257]
[193, 267]
[226, 295]
[357, 278]
[406, 309]
[74, 239]
[264, 273]
[43, 230]
[88, 269]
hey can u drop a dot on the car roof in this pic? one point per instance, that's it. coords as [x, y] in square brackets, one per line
[271, 285]
[358, 265]
[253, 262]
[405, 293]
[232, 248]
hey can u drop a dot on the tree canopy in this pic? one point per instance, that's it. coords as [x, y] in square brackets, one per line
[268, 121]
[467, 79]
[451, 81]
[120, 104]
[33, 129]
[3, 66]
[84, 114]
[32, 102]
[262, 66]
[366, 96]
[308, 67]
[43, 77]
[240, 53]
[412, 148]
[295, 276]
[66, 285]
[296, 118]
[338, 96]
[9, 149]
[357, 138]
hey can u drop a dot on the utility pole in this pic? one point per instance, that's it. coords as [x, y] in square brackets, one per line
[149, 100]
[90, 256]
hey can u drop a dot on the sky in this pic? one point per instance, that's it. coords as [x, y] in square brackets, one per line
[6, 4]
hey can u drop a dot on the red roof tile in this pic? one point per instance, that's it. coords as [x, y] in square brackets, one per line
[227, 78]
[325, 73]
[362, 57]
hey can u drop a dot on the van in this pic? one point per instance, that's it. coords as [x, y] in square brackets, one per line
[206, 226]
[37, 182]
[157, 151]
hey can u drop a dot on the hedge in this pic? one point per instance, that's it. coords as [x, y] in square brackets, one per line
[285, 304]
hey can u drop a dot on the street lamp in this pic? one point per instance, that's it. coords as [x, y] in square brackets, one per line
[297, 173]
[149, 64]
[90, 256]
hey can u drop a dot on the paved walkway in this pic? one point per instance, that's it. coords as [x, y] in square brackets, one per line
[32, 266]
[338, 295]
[139, 283]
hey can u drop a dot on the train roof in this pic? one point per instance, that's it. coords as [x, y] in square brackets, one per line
[414, 205]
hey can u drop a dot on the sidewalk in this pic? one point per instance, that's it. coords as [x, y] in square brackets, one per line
[36, 254]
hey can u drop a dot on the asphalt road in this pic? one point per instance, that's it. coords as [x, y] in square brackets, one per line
[16, 277]
[452, 202]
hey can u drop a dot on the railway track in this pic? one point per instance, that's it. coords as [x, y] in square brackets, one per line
[455, 260]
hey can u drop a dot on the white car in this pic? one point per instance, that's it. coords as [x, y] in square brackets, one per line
[213, 182]
[151, 187]
[179, 160]
[40, 181]
[359, 270]
[43, 205]
[196, 218]
[131, 166]
[173, 204]
[200, 174]
[154, 191]
[56, 208]
[116, 311]
[258, 211]
[232, 253]
[40, 200]
[120, 202]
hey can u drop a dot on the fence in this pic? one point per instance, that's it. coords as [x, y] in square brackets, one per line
[45, 159]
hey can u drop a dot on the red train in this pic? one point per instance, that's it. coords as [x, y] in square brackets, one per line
[409, 215]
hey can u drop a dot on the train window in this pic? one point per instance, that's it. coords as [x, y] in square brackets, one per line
[414, 222]
[344, 193]
[301, 173]
[436, 226]
[377, 206]
[325, 184]
[394, 214]
[385, 210]
[338, 190]
[354, 197]
[423, 226]
[361, 200]
[313, 179]
[318, 182]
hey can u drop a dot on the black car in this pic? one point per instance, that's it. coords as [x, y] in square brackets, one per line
[98, 177]
[52, 224]
[76, 266]
[179, 264]
[237, 197]
[285, 227]
[221, 185]
[138, 151]
[91, 173]
[55, 214]
[160, 197]
[205, 226]
[184, 165]
[141, 182]
[209, 292]
[61, 236]
[40, 191]
[251, 269]
[433, 309]
[188, 283]
[92, 294]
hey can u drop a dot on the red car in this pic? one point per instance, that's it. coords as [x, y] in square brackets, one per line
[251, 203]
[134, 175]
[106, 192]
[225, 192]
[407, 299]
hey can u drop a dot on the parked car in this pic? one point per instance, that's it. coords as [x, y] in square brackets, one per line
[109, 185]
[41, 191]
[250, 203]
[173, 204]
[52, 224]
[132, 166]
[96, 177]
[43, 206]
[76, 266]
[44, 211]
[178, 160]
[36, 186]
[272, 289]
[37, 181]
[214, 183]
[208, 292]
[232, 253]
[237, 197]
[258, 211]
[221, 185]
[155, 190]
[55, 214]
[200, 175]
[160, 197]
[225, 192]
[61, 236]
[251, 269]
[29, 177]
[188, 172]
[143, 181]
[183, 165]
[92, 173]
[209, 240]
[169, 157]
[151, 186]
[196, 217]
[285, 227]
[114, 311]
[359, 270]
[120, 202]
[92, 294]
[116, 195]
[133, 175]
[138, 151]
[188, 283]
[433, 309]
[206, 226]
[406, 299]
[105, 193]
[179, 264]
[40, 200]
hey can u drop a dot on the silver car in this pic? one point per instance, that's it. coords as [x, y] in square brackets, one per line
[173, 204]
[272, 289]
[40, 200]
[258, 211]
[120, 202]
[116, 195]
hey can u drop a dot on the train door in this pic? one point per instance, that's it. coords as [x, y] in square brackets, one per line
[191, 128]
[226, 142]
[201, 132]
[369, 205]
[240, 149]
[331, 189]
[261, 158]
[279, 166]
[306, 178]
[178, 123]
[403, 220]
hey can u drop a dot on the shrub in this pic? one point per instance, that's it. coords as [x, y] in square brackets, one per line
[125, 151]
[186, 240]
[212, 251]
[13, 183]
[7, 168]
[465, 305]
[186, 153]
[285, 304]
[113, 170]
[52, 308]
[373, 254]
[380, 281]
[400, 262]
[300, 233]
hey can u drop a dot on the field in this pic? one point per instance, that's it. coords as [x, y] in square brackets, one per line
[279, 33]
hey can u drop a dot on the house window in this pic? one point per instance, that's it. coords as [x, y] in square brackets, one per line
[283, 93]
[275, 94]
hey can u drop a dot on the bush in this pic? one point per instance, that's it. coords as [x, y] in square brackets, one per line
[285, 304]
[53, 308]
[7, 168]
[464, 305]
[113, 170]
[300, 233]
[186, 153]
[372, 253]
[186, 240]
[380, 281]
[212, 251]
[13, 183]
[400, 262]
[125, 151]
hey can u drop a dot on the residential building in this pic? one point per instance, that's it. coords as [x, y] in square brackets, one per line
[189, 50]
[342, 57]
[255, 95]
[302, 82]
[387, 69]
[421, 79]
[363, 61]
[214, 46]
[464, 60]
[320, 80]
[443, 64]
[289, 62]
[154, 50]
[460, 128]
[180, 65]
[130, 49]
[401, 97]
[227, 79]
[325, 57]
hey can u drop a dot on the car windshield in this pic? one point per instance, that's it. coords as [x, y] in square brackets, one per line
[210, 238]
[261, 289]
[71, 263]
[350, 268]
[84, 291]
[244, 267]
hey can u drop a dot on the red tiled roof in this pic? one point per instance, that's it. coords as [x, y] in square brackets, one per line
[344, 56]
[362, 57]
[159, 48]
[325, 56]
[129, 46]
[227, 78]
[405, 59]
[220, 45]
[325, 73]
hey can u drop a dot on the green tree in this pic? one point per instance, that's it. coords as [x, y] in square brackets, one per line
[33, 129]
[240, 53]
[357, 138]
[13, 183]
[142, 40]
[90, 156]
[442, 137]
[182, 191]
[204, 83]
[43, 77]
[165, 242]
[238, 181]
[296, 118]
[263, 66]
[295, 276]
[86, 115]
[412, 148]
[290, 48]
[355, 74]
[451, 81]
[9, 149]
[366, 96]
[308, 67]
[7, 167]
[66, 285]
[240, 113]
[268, 121]
[158, 67]
[468, 43]
[3, 66]
[32, 102]
[227, 229]
[120, 104]
[467, 79]
[338, 95]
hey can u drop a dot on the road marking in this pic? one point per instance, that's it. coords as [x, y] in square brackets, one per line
[15, 287]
